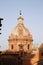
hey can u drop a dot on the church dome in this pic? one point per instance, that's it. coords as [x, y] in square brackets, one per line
[20, 31]
[20, 38]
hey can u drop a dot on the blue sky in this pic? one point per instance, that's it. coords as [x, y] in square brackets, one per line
[32, 11]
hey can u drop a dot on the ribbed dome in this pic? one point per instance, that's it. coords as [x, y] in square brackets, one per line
[20, 31]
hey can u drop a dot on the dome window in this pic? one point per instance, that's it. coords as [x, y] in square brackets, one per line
[12, 46]
[28, 46]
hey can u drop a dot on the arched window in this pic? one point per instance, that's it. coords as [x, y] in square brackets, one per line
[12, 46]
[28, 46]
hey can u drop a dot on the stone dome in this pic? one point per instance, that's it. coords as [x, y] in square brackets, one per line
[20, 31]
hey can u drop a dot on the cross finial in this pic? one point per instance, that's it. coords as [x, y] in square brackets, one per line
[20, 12]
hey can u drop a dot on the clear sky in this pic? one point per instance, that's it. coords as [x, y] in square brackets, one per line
[32, 11]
